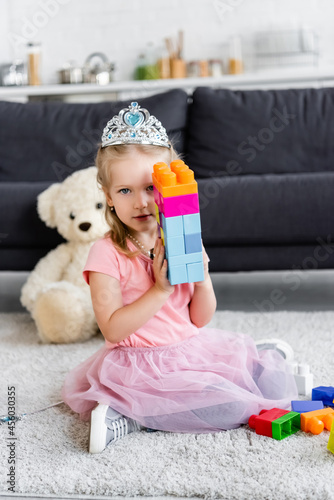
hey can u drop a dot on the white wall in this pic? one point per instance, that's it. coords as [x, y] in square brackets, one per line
[72, 29]
[4, 29]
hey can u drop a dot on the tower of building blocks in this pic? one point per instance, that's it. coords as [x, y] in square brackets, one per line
[324, 394]
[275, 423]
[177, 211]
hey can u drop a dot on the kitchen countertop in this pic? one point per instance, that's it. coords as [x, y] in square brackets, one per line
[315, 76]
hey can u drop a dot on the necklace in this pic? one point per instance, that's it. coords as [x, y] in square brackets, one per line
[141, 246]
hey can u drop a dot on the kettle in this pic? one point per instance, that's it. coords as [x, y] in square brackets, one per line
[98, 69]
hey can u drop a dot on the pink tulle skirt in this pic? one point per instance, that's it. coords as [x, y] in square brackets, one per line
[213, 381]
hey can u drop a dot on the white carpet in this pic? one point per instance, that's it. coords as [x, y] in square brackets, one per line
[50, 450]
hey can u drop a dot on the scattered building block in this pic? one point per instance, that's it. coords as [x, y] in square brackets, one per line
[316, 421]
[286, 425]
[303, 378]
[262, 423]
[324, 394]
[306, 406]
[330, 445]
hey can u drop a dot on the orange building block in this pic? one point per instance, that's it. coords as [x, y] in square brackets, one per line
[175, 180]
[316, 421]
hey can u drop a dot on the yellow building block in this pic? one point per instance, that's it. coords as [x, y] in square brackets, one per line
[175, 180]
[157, 215]
[330, 445]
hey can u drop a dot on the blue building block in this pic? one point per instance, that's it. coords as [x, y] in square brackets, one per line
[174, 246]
[306, 406]
[187, 258]
[177, 274]
[192, 223]
[324, 394]
[193, 243]
[195, 272]
[173, 226]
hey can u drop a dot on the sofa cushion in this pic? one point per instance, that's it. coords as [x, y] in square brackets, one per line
[21, 227]
[47, 141]
[260, 132]
[292, 258]
[20, 259]
[24, 238]
[235, 211]
[290, 209]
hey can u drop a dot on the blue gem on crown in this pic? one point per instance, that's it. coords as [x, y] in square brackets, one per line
[134, 125]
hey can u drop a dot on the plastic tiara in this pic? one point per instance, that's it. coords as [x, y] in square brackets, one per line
[134, 125]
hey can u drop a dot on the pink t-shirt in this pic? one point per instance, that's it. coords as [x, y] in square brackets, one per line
[171, 323]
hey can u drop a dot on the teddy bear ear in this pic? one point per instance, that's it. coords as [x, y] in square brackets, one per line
[45, 204]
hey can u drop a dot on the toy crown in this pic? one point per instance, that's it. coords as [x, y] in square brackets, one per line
[134, 125]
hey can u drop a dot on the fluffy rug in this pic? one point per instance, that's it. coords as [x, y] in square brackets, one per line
[50, 447]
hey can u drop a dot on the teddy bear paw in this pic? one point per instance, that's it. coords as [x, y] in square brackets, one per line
[63, 318]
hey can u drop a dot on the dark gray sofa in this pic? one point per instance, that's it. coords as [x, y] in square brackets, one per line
[264, 162]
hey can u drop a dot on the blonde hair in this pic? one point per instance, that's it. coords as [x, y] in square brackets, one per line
[104, 159]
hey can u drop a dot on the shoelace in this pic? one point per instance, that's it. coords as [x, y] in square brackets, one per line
[120, 428]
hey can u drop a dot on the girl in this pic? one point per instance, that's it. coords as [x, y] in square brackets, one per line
[159, 368]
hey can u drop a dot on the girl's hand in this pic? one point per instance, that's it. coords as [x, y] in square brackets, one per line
[206, 268]
[206, 262]
[160, 268]
[203, 303]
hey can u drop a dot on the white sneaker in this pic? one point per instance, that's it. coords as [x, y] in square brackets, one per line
[278, 345]
[108, 426]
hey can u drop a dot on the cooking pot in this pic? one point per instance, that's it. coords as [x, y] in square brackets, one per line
[98, 69]
[70, 74]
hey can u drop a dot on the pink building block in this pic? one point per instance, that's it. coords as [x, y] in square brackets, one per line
[183, 205]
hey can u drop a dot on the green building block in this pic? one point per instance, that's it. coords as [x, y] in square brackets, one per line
[285, 426]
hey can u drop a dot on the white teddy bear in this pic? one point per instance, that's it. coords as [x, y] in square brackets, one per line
[55, 293]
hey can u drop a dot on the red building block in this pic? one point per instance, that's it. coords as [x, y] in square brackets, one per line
[262, 423]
